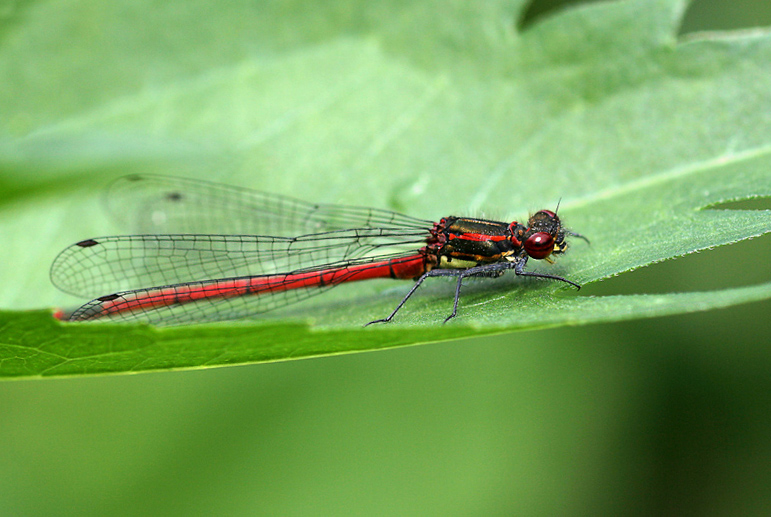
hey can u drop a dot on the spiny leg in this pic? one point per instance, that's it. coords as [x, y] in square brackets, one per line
[519, 270]
[455, 303]
[483, 270]
[495, 269]
[404, 300]
[433, 272]
[499, 268]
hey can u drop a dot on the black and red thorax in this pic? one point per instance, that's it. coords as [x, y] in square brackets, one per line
[462, 242]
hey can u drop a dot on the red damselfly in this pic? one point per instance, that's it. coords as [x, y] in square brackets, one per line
[206, 252]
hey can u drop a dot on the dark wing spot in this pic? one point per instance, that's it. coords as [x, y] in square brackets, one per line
[87, 243]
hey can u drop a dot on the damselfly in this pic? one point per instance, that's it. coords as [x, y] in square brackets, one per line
[207, 252]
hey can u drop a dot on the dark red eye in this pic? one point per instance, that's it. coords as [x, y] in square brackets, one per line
[539, 245]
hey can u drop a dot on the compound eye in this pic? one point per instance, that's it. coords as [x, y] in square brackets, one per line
[539, 245]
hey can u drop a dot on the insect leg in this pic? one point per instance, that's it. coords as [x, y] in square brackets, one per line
[519, 270]
[491, 270]
[433, 272]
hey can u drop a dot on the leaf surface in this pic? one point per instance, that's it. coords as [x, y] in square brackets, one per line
[428, 108]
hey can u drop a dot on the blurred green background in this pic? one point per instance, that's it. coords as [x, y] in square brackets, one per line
[658, 416]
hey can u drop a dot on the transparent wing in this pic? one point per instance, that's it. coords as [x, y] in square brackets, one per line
[209, 252]
[151, 204]
[103, 265]
[233, 298]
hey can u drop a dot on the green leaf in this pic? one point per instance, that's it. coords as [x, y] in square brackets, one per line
[430, 108]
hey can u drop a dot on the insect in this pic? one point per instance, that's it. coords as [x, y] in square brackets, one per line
[207, 252]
